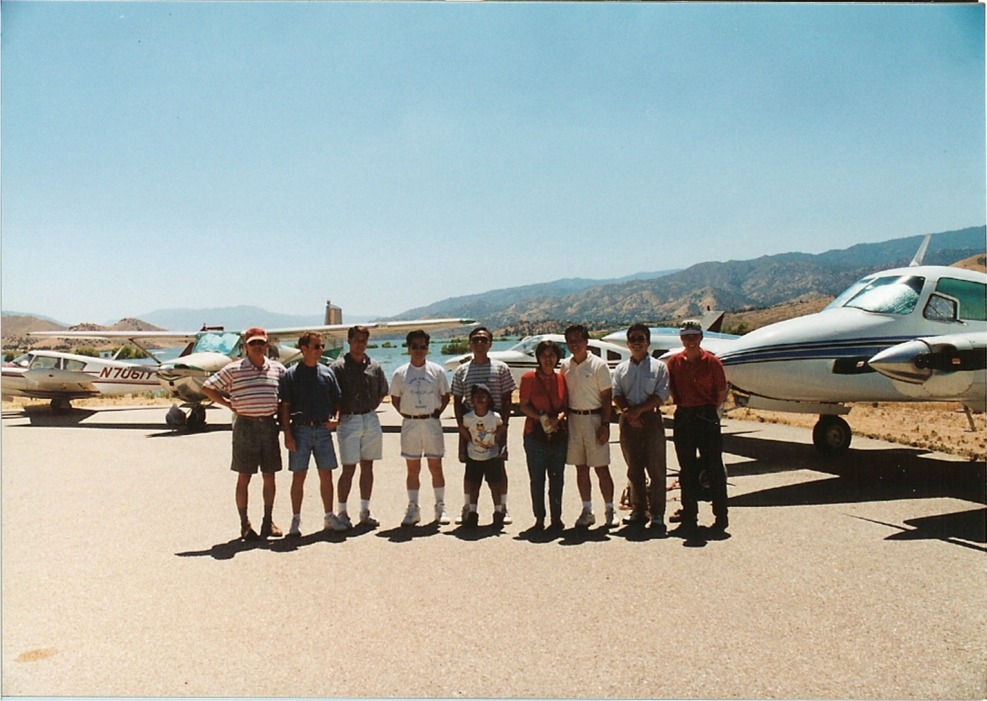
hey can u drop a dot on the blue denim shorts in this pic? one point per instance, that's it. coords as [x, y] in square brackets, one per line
[312, 440]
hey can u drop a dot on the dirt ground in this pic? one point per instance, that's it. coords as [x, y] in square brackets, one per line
[941, 427]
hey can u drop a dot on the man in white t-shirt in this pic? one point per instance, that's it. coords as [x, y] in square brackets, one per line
[420, 392]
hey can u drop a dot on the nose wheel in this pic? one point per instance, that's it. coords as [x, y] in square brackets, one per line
[831, 435]
[196, 418]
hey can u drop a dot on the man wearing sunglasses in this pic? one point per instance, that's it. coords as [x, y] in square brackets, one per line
[249, 388]
[496, 375]
[420, 392]
[640, 387]
[309, 407]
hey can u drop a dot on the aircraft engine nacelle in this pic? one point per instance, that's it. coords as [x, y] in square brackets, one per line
[939, 367]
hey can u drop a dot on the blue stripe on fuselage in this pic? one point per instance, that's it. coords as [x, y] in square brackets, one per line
[818, 350]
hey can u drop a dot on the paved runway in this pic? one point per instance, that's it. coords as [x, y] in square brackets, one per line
[861, 577]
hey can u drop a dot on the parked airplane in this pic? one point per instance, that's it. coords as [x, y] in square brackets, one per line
[62, 377]
[210, 349]
[917, 333]
[520, 358]
[612, 347]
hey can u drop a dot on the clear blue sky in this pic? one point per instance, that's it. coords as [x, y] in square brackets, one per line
[388, 155]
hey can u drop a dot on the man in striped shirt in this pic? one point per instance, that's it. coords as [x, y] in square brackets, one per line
[249, 388]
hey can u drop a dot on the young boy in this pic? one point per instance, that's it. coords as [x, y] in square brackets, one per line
[482, 428]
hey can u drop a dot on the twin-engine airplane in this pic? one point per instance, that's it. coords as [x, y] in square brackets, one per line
[62, 377]
[210, 349]
[907, 334]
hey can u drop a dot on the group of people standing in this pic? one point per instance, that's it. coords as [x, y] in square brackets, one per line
[567, 421]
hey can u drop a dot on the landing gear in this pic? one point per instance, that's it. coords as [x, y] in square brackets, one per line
[831, 435]
[196, 418]
[60, 405]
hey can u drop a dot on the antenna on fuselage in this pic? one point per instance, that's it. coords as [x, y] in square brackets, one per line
[920, 254]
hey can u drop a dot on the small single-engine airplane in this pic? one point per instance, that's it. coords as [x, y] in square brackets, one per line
[520, 357]
[917, 333]
[62, 377]
[212, 348]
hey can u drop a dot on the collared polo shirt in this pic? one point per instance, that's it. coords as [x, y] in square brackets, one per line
[698, 382]
[362, 385]
[252, 391]
[495, 374]
[586, 381]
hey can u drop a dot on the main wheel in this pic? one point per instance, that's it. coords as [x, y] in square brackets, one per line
[60, 405]
[831, 435]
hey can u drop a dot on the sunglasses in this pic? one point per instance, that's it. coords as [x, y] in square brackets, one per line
[315, 345]
[419, 346]
[637, 339]
[480, 339]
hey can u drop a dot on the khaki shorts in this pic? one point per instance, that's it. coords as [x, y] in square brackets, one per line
[583, 448]
[422, 437]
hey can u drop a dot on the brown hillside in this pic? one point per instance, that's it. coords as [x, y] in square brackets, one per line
[978, 262]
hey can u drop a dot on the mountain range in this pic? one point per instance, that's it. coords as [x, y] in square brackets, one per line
[657, 297]
[733, 285]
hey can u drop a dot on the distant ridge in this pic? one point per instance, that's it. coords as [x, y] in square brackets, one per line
[730, 286]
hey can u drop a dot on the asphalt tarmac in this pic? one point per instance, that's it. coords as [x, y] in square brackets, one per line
[856, 577]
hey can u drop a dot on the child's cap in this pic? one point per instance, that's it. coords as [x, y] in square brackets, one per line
[481, 388]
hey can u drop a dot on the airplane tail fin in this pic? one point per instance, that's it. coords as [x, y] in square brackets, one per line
[920, 254]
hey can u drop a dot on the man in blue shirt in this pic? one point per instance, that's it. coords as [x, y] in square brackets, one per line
[640, 387]
[309, 397]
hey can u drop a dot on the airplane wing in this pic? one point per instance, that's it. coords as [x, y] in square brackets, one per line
[381, 327]
[140, 339]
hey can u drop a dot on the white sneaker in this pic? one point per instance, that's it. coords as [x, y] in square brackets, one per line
[463, 515]
[440, 514]
[344, 520]
[413, 515]
[333, 523]
[507, 517]
[611, 517]
[586, 518]
[296, 527]
[367, 520]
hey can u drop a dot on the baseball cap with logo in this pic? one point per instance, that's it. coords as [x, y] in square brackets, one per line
[690, 327]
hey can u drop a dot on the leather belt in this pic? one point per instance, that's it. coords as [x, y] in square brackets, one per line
[585, 412]
[419, 416]
[256, 418]
[312, 424]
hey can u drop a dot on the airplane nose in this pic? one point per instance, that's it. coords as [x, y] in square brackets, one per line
[904, 362]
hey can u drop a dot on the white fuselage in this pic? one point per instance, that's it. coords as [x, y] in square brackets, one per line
[824, 357]
[54, 375]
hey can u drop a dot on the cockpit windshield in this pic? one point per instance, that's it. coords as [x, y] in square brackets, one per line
[528, 345]
[227, 343]
[893, 294]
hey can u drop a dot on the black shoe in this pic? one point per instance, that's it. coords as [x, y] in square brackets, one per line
[556, 525]
[247, 532]
[635, 518]
[539, 525]
[658, 529]
[498, 519]
[721, 523]
[269, 530]
[676, 517]
[472, 520]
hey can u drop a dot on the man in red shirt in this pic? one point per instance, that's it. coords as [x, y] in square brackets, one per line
[699, 388]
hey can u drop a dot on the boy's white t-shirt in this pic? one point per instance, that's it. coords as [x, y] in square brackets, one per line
[483, 429]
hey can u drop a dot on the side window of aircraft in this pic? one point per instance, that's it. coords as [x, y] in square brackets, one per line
[940, 308]
[612, 355]
[895, 294]
[43, 362]
[971, 298]
[595, 351]
[75, 365]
